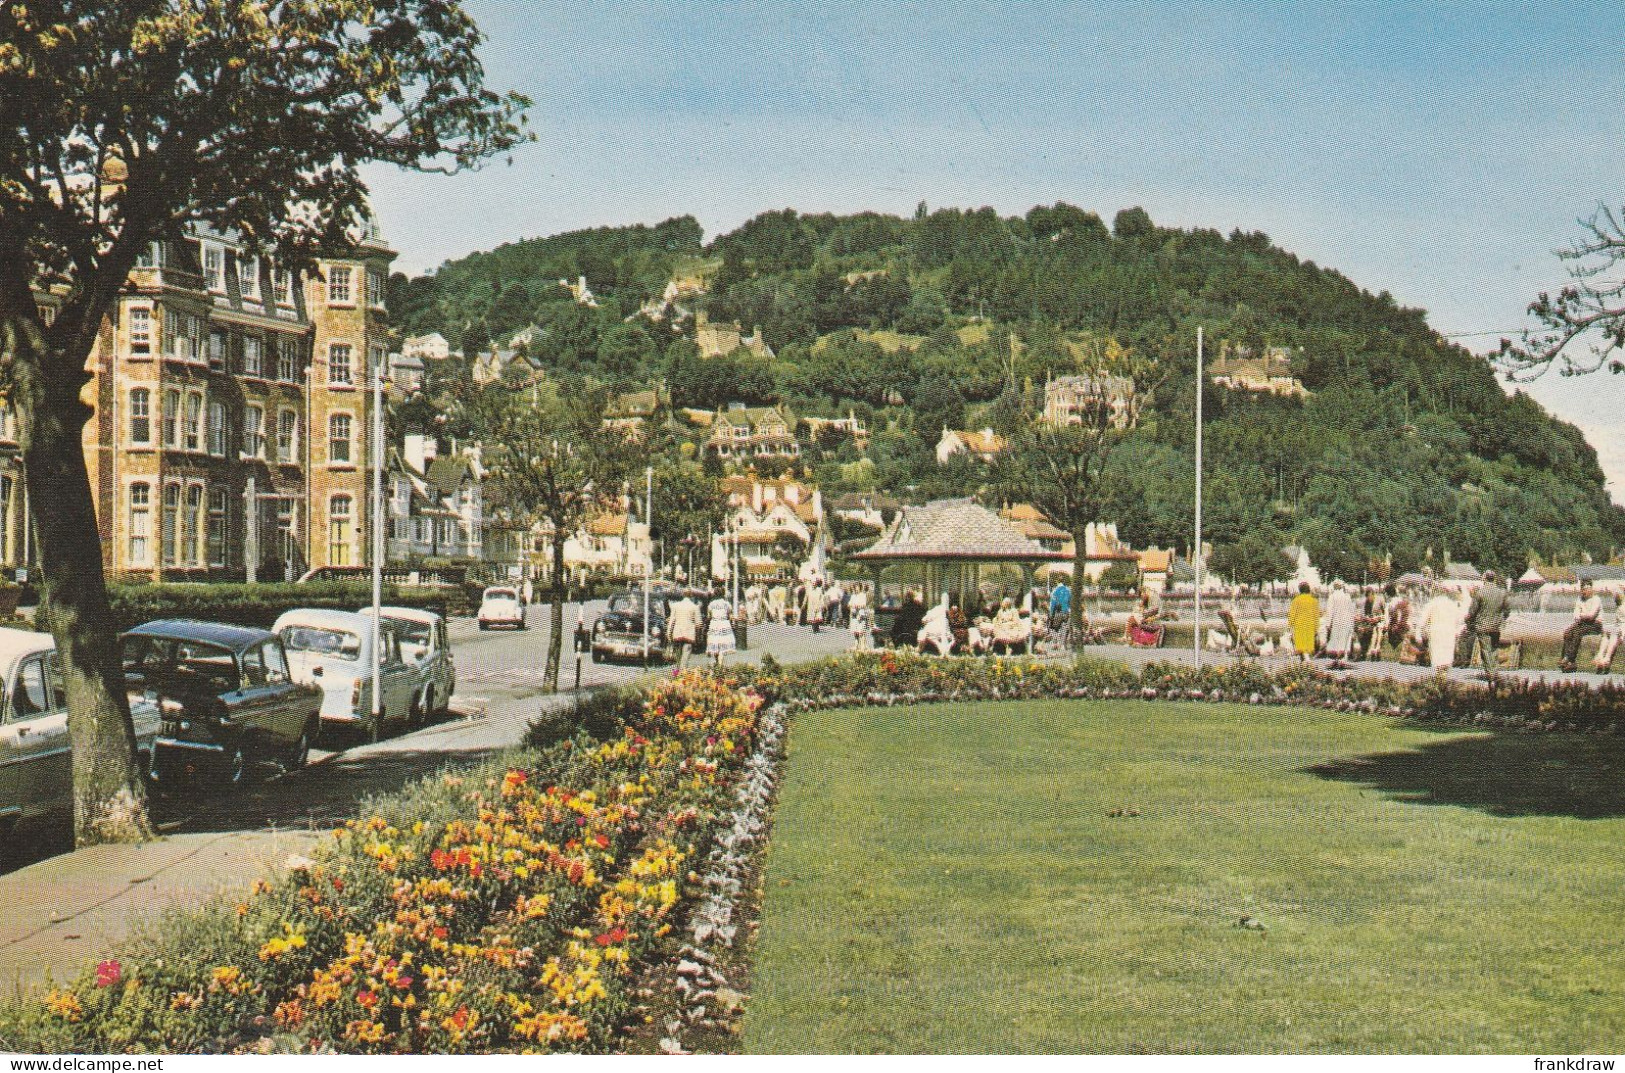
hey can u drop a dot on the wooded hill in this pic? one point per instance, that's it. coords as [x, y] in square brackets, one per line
[1406, 446]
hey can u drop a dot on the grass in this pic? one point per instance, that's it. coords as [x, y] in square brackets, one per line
[951, 878]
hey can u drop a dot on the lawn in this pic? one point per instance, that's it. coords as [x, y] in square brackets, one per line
[975, 878]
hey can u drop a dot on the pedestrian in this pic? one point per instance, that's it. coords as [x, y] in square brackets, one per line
[905, 629]
[719, 631]
[1397, 627]
[815, 604]
[1340, 618]
[1060, 609]
[1438, 627]
[958, 625]
[1486, 618]
[935, 631]
[1369, 625]
[525, 592]
[685, 628]
[1587, 621]
[1303, 617]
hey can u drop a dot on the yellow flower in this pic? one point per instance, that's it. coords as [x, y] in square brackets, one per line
[65, 1004]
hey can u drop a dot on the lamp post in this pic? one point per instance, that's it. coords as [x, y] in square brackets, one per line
[377, 543]
[1196, 552]
[648, 569]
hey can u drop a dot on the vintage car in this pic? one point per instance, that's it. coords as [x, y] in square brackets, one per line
[332, 650]
[426, 647]
[36, 759]
[500, 605]
[617, 633]
[225, 696]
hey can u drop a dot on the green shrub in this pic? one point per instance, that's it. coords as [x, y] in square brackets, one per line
[260, 605]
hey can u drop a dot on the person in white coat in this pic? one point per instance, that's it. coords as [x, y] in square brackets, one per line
[1439, 626]
[719, 631]
[935, 630]
[1340, 618]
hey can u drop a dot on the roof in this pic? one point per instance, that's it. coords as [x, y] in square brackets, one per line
[223, 634]
[985, 442]
[447, 472]
[1463, 572]
[607, 524]
[406, 614]
[324, 618]
[1022, 512]
[1156, 560]
[1598, 572]
[954, 529]
[15, 644]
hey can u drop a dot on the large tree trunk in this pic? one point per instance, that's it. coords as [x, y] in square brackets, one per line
[555, 639]
[109, 796]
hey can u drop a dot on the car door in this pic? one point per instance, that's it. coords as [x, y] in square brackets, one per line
[39, 733]
[11, 762]
[255, 703]
[445, 669]
[287, 709]
[400, 678]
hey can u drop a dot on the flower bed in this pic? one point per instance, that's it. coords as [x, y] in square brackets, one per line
[524, 905]
[505, 910]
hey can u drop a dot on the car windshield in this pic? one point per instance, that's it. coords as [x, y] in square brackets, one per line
[411, 633]
[337, 643]
[631, 603]
[158, 658]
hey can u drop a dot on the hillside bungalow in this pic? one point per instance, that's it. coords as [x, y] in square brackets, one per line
[721, 340]
[1069, 400]
[849, 426]
[741, 432]
[1271, 374]
[985, 445]
[431, 347]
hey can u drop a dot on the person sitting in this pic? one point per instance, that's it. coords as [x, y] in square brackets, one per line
[1587, 621]
[959, 625]
[1145, 615]
[935, 631]
[905, 629]
[1011, 632]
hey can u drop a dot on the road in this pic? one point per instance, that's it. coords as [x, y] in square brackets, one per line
[499, 694]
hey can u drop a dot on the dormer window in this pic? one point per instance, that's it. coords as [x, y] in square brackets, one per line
[214, 268]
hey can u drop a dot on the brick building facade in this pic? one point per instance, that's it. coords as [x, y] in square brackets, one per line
[230, 434]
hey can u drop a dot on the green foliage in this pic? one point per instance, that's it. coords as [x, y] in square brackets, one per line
[1120, 577]
[260, 605]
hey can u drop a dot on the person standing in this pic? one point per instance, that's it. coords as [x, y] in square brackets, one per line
[1397, 627]
[905, 629]
[815, 604]
[719, 631]
[685, 628]
[1303, 617]
[1486, 618]
[1587, 621]
[1340, 618]
[1439, 626]
[1611, 638]
[526, 592]
[1060, 609]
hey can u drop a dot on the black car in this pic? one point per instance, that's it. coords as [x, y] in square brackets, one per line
[618, 632]
[225, 697]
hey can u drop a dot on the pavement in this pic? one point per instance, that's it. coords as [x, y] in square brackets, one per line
[67, 911]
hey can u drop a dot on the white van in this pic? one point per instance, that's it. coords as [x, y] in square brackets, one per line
[333, 650]
[427, 647]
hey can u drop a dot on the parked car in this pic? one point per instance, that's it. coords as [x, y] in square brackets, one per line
[332, 650]
[426, 647]
[36, 756]
[618, 631]
[500, 605]
[225, 697]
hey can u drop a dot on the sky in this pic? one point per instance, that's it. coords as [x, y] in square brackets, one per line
[1441, 152]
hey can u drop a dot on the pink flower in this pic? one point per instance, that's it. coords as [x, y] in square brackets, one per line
[109, 973]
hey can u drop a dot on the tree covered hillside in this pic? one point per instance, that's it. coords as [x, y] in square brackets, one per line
[1405, 445]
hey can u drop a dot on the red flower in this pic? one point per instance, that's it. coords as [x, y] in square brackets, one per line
[338, 884]
[441, 860]
[367, 999]
[602, 840]
[403, 982]
[440, 932]
[614, 935]
[109, 973]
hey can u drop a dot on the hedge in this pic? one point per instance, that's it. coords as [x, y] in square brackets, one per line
[260, 605]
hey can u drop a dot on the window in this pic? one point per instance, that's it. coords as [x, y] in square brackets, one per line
[192, 526]
[149, 257]
[140, 417]
[172, 417]
[375, 288]
[287, 361]
[339, 530]
[214, 267]
[171, 521]
[253, 356]
[339, 429]
[194, 339]
[339, 292]
[282, 287]
[140, 331]
[140, 524]
[219, 434]
[248, 278]
[254, 431]
[192, 430]
[287, 435]
[217, 350]
[339, 369]
[219, 500]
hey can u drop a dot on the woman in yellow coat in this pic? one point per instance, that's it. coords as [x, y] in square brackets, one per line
[1304, 618]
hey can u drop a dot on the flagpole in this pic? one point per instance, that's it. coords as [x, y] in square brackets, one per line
[1196, 552]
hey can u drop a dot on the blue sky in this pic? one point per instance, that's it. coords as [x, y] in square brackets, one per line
[1438, 151]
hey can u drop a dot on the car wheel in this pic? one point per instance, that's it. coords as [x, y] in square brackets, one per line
[236, 770]
[301, 749]
[485, 626]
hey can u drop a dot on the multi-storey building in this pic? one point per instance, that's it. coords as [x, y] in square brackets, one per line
[231, 414]
[743, 432]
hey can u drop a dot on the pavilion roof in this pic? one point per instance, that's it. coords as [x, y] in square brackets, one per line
[954, 529]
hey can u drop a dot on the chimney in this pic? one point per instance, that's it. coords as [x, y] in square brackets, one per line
[416, 450]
